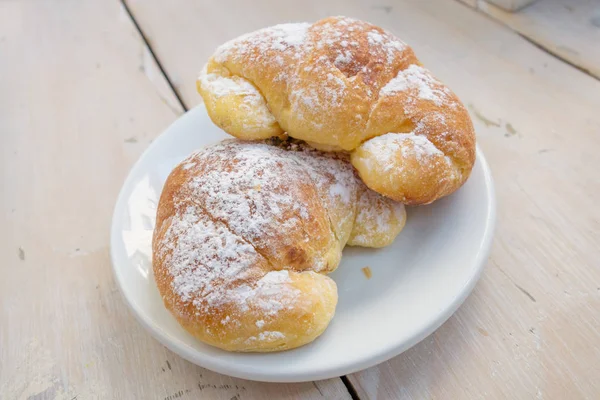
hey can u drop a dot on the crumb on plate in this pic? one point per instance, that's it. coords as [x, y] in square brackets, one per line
[367, 272]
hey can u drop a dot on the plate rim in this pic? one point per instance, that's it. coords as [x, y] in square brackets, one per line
[196, 357]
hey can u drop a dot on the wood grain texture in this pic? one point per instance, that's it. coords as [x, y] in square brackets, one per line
[511, 5]
[531, 329]
[80, 99]
[569, 29]
[470, 3]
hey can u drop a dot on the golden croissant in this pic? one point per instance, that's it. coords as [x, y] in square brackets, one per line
[246, 232]
[344, 84]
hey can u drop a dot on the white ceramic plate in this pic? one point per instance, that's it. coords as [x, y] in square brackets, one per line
[417, 282]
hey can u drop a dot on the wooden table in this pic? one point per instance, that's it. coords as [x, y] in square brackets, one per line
[86, 85]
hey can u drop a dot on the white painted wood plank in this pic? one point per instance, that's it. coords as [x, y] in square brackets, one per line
[80, 99]
[470, 3]
[531, 329]
[511, 5]
[569, 29]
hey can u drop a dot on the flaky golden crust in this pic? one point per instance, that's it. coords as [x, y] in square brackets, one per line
[246, 232]
[337, 84]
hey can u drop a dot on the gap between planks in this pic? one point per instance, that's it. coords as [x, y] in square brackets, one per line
[351, 390]
[475, 5]
[154, 56]
[349, 387]
[553, 54]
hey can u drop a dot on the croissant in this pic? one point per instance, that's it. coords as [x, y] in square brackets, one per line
[344, 84]
[245, 233]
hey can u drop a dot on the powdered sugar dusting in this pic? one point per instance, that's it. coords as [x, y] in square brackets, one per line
[206, 260]
[279, 37]
[250, 188]
[377, 218]
[337, 185]
[253, 102]
[423, 148]
[335, 180]
[201, 252]
[271, 294]
[318, 86]
[386, 148]
[222, 86]
[238, 203]
[266, 336]
[276, 277]
[417, 78]
[340, 190]
[318, 95]
[291, 34]
[375, 38]
[389, 43]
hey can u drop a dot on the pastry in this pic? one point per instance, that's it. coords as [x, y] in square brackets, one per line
[344, 84]
[246, 233]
